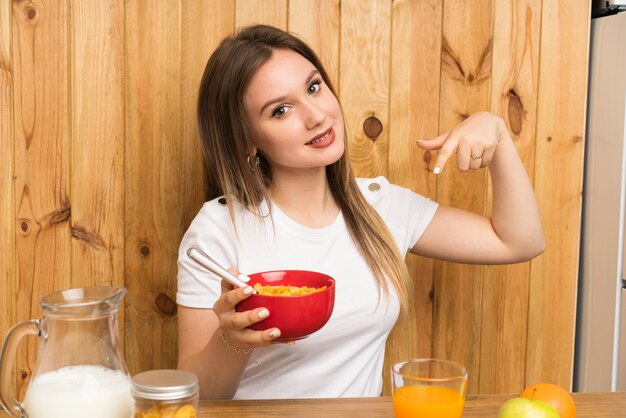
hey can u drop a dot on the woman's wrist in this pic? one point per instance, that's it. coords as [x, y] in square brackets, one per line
[238, 350]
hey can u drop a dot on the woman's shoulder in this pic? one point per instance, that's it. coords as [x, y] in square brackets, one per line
[212, 221]
[215, 208]
[372, 184]
[378, 188]
[384, 195]
[215, 212]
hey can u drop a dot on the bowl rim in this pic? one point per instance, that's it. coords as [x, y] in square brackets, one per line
[328, 287]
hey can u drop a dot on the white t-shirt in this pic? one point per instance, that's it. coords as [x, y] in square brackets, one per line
[345, 357]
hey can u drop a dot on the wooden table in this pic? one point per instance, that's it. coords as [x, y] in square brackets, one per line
[609, 405]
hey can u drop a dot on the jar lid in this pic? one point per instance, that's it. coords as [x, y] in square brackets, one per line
[164, 385]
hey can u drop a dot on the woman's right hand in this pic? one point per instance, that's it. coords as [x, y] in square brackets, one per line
[234, 325]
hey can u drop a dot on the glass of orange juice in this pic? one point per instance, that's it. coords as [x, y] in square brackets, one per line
[428, 388]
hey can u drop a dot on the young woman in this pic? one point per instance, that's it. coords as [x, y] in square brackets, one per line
[283, 197]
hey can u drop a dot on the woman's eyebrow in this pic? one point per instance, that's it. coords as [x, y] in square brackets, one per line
[276, 100]
[310, 77]
[281, 98]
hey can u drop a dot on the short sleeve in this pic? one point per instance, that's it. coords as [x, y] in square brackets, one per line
[211, 232]
[407, 214]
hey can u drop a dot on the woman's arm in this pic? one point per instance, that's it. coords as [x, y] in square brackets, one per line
[218, 364]
[202, 351]
[514, 232]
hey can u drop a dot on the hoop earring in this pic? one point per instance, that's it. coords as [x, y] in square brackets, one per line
[253, 164]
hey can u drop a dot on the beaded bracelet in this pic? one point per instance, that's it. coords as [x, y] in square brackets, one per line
[237, 350]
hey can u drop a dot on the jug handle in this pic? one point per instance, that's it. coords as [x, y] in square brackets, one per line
[7, 355]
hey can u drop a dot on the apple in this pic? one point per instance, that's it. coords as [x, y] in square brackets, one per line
[527, 408]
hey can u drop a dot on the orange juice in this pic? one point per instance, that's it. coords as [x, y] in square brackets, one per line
[427, 402]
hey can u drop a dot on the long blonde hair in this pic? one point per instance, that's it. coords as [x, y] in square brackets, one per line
[225, 134]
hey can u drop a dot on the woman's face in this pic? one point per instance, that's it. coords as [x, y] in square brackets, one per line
[296, 120]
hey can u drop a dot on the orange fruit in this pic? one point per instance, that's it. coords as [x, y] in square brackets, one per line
[555, 395]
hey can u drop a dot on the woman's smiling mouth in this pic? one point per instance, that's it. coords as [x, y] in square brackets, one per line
[322, 140]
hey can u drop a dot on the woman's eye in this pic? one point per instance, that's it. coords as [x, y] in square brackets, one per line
[280, 111]
[315, 87]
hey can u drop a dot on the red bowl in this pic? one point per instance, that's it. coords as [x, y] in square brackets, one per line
[295, 316]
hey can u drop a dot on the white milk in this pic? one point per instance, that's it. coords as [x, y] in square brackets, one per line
[79, 392]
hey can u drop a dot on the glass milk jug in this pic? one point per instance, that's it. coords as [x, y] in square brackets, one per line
[80, 370]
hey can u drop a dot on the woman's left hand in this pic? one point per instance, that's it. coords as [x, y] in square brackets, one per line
[474, 142]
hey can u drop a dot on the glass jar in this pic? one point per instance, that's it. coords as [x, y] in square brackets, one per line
[165, 394]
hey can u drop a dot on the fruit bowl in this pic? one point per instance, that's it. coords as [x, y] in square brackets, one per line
[295, 316]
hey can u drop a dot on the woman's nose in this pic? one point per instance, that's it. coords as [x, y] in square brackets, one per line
[314, 115]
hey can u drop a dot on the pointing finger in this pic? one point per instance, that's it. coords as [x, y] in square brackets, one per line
[432, 144]
[444, 154]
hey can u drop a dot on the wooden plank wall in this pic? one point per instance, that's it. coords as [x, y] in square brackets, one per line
[101, 173]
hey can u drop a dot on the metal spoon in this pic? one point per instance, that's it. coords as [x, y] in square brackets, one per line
[206, 261]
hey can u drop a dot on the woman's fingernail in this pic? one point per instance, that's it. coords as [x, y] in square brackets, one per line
[437, 170]
[247, 290]
[264, 313]
[275, 333]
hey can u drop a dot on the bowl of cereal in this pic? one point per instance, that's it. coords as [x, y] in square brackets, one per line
[300, 301]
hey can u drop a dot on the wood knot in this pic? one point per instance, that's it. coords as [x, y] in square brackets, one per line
[431, 295]
[428, 156]
[144, 251]
[450, 62]
[165, 304]
[515, 112]
[89, 238]
[452, 66]
[24, 374]
[577, 138]
[373, 127]
[60, 215]
[24, 226]
[28, 12]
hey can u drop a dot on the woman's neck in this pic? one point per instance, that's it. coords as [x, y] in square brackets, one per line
[305, 197]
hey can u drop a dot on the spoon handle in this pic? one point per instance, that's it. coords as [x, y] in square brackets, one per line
[208, 262]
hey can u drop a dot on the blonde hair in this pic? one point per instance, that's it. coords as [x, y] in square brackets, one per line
[225, 134]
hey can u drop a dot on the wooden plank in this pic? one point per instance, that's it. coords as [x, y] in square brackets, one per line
[318, 23]
[7, 202]
[465, 78]
[204, 24]
[153, 181]
[266, 12]
[558, 185]
[364, 81]
[413, 114]
[505, 288]
[42, 160]
[97, 132]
